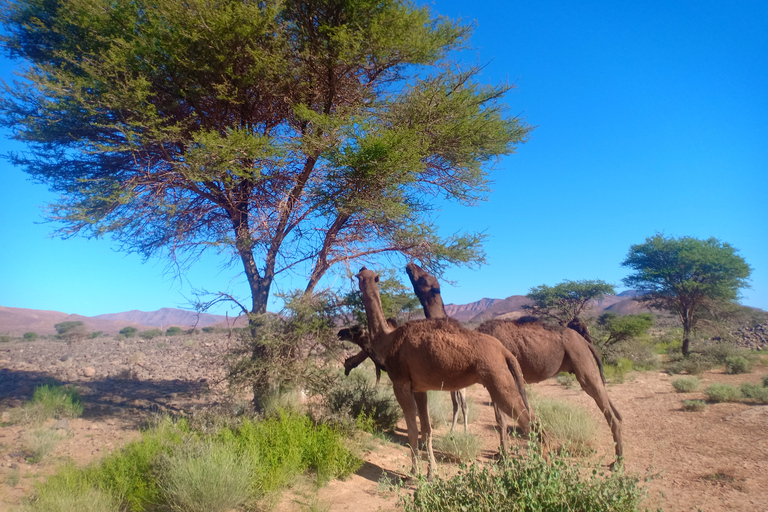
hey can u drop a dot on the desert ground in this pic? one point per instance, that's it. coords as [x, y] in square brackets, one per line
[714, 460]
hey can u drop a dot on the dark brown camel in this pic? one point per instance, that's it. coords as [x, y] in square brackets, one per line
[542, 351]
[440, 354]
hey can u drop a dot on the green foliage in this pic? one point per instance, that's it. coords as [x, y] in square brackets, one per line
[642, 355]
[29, 336]
[622, 328]
[70, 331]
[528, 483]
[173, 331]
[686, 384]
[70, 490]
[567, 424]
[686, 276]
[356, 396]
[206, 477]
[54, 401]
[617, 372]
[566, 379]
[208, 329]
[96, 334]
[457, 446]
[396, 299]
[361, 120]
[722, 393]
[566, 300]
[129, 332]
[175, 467]
[755, 392]
[694, 405]
[4, 338]
[150, 334]
[737, 364]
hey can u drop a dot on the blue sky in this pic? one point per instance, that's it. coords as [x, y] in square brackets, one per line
[650, 117]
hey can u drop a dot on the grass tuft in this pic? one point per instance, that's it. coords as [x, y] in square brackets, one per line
[694, 405]
[567, 424]
[722, 393]
[458, 446]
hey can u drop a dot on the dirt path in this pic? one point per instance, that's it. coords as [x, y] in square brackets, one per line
[715, 460]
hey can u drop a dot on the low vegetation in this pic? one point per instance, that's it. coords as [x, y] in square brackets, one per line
[567, 424]
[458, 446]
[686, 384]
[747, 392]
[50, 401]
[528, 483]
[175, 467]
[694, 405]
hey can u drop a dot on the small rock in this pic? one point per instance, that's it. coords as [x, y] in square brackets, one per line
[61, 424]
[89, 371]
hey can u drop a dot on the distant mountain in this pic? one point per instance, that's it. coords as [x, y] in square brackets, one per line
[510, 304]
[165, 317]
[464, 312]
[17, 321]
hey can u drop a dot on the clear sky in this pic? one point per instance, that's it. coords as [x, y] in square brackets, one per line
[650, 117]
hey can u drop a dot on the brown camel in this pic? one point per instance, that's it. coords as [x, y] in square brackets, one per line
[542, 351]
[440, 354]
[425, 285]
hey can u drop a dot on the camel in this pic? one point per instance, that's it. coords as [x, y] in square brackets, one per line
[425, 285]
[441, 354]
[541, 350]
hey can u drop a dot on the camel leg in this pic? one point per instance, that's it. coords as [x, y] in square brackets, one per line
[459, 399]
[408, 404]
[591, 383]
[426, 431]
[501, 421]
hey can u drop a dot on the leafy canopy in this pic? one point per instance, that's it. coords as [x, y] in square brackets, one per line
[566, 300]
[292, 135]
[686, 276]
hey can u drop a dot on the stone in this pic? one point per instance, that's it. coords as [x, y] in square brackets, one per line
[89, 371]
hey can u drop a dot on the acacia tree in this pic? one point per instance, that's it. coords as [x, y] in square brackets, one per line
[566, 300]
[295, 134]
[686, 276]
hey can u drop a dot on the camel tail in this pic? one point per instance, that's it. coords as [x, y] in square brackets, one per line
[517, 373]
[615, 411]
[598, 360]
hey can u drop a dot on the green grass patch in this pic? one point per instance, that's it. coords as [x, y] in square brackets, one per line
[528, 483]
[566, 379]
[40, 443]
[755, 392]
[567, 424]
[686, 384]
[50, 401]
[737, 364]
[458, 446]
[616, 373]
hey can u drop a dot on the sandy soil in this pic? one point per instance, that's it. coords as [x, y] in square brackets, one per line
[715, 460]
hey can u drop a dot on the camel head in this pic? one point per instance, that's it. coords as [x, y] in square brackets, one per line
[427, 289]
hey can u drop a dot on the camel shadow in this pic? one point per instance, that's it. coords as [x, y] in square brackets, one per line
[379, 475]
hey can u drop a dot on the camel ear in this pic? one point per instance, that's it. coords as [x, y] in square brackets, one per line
[436, 290]
[377, 279]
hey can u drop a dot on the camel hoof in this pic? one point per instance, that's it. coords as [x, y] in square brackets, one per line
[617, 465]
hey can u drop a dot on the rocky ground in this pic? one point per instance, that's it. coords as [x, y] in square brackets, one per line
[715, 460]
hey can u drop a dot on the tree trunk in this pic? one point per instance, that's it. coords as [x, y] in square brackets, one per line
[687, 324]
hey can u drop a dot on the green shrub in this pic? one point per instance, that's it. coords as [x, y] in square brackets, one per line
[755, 392]
[129, 332]
[617, 373]
[527, 483]
[567, 424]
[722, 393]
[694, 364]
[566, 379]
[209, 329]
[642, 355]
[458, 446]
[694, 405]
[765, 381]
[4, 338]
[29, 336]
[173, 331]
[737, 364]
[686, 384]
[150, 334]
[356, 395]
[70, 490]
[206, 477]
[53, 401]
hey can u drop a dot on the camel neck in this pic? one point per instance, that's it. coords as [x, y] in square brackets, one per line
[374, 312]
[434, 308]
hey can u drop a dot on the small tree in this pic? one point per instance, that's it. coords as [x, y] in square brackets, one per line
[173, 331]
[71, 331]
[129, 332]
[30, 336]
[686, 276]
[566, 300]
[621, 328]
